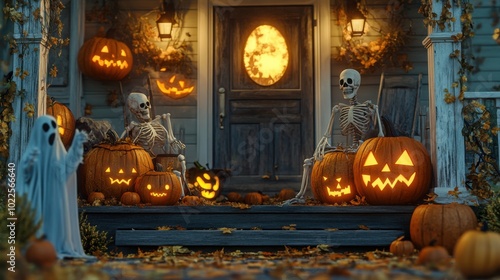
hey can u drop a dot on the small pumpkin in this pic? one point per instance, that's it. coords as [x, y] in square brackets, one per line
[477, 254]
[286, 194]
[93, 196]
[41, 252]
[130, 198]
[392, 170]
[440, 224]
[113, 168]
[401, 248]
[433, 255]
[159, 188]
[253, 198]
[105, 59]
[65, 120]
[332, 178]
[234, 197]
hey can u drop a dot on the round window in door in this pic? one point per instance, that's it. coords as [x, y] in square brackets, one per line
[265, 55]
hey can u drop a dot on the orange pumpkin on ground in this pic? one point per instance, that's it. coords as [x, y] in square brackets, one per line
[401, 248]
[477, 254]
[41, 253]
[113, 168]
[93, 196]
[253, 198]
[332, 178]
[392, 170]
[433, 256]
[440, 224]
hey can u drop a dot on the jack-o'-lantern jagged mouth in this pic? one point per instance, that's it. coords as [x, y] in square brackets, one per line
[110, 63]
[339, 191]
[382, 184]
[208, 194]
[119, 181]
[155, 194]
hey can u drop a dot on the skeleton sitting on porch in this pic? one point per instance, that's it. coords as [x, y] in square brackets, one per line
[354, 122]
[151, 134]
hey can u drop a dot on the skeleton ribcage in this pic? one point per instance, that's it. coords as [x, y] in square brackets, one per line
[151, 136]
[354, 120]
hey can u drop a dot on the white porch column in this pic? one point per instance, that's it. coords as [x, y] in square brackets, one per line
[32, 42]
[446, 121]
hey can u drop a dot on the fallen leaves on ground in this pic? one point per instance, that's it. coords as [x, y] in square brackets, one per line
[177, 262]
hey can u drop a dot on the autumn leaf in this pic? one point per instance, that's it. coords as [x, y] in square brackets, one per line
[363, 227]
[226, 230]
[455, 192]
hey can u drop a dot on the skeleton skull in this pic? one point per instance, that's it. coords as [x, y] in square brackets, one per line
[139, 105]
[349, 82]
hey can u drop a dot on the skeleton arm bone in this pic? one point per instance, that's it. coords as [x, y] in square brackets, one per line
[377, 119]
[323, 143]
[128, 128]
[172, 141]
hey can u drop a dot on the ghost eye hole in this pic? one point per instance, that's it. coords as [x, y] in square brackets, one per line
[341, 82]
[349, 81]
[53, 124]
[45, 127]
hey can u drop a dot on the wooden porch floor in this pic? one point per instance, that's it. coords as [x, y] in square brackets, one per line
[258, 226]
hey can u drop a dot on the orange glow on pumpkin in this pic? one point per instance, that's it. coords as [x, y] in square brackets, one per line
[403, 160]
[209, 185]
[338, 191]
[177, 86]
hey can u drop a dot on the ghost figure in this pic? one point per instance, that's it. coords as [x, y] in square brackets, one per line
[48, 179]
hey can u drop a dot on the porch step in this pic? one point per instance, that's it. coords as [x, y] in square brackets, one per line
[200, 238]
[258, 226]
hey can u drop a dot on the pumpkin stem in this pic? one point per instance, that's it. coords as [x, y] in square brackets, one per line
[199, 166]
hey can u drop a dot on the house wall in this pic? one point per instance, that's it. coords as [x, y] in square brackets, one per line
[184, 111]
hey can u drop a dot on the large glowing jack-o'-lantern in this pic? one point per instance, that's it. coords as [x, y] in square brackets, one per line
[159, 188]
[176, 86]
[392, 170]
[332, 178]
[113, 168]
[105, 59]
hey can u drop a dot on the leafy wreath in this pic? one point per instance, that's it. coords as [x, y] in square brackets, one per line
[379, 53]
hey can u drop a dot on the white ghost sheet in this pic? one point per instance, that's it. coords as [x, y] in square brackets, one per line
[47, 175]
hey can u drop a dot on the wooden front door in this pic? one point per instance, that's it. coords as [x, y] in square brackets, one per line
[263, 127]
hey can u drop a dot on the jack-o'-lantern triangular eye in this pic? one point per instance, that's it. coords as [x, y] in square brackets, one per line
[123, 53]
[105, 49]
[405, 159]
[370, 160]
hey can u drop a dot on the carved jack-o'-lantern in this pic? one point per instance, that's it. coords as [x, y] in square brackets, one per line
[392, 170]
[105, 59]
[159, 188]
[206, 183]
[65, 120]
[176, 86]
[332, 178]
[113, 168]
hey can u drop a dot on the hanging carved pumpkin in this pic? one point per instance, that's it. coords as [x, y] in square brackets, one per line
[392, 170]
[332, 178]
[105, 59]
[176, 86]
[159, 188]
[65, 120]
[440, 224]
[113, 168]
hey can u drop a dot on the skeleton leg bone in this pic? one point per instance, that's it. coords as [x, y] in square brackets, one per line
[299, 198]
